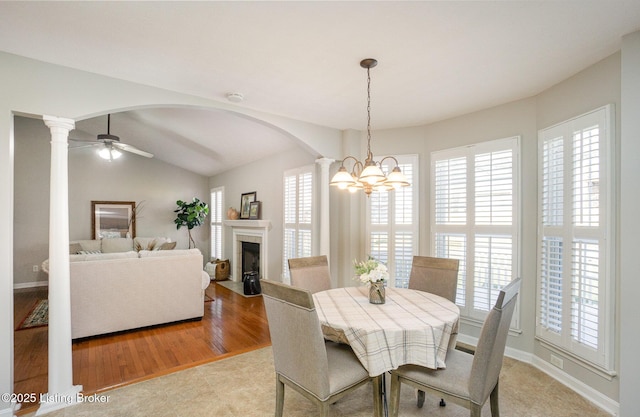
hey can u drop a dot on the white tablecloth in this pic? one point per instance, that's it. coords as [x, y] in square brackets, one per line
[412, 327]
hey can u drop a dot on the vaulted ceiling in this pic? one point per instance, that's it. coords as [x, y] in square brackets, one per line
[301, 60]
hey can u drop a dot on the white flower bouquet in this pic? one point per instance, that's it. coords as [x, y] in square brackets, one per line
[371, 271]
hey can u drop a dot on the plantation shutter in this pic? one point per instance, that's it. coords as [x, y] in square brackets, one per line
[298, 215]
[216, 222]
[474, 219]
[575, 288]
[392, 223]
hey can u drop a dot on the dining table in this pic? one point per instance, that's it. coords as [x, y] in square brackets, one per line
[411, 327]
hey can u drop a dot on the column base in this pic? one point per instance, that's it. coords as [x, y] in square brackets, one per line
[10, 412]
[52, 402]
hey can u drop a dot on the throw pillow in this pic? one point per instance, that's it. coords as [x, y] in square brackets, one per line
[89, 252]
[74, 248]
[168, 246]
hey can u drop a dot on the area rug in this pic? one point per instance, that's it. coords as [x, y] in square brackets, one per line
[244, 386]
[38, 316]
[235, 286]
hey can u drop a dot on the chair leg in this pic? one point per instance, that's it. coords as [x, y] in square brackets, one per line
[377, 396]
[279, 397]
[420, 401]
[475, 410]
[394, 402]
[493, 401]
[323, 408]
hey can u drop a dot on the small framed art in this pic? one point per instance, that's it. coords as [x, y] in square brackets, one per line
[245, 201]
[254, 210]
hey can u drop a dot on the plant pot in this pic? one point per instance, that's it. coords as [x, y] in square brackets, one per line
[376, 293]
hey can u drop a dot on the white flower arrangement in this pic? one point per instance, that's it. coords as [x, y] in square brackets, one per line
[371, 271]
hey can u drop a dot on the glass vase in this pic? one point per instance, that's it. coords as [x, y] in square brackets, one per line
[376, 293]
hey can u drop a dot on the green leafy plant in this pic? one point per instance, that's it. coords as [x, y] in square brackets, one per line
[191, 215]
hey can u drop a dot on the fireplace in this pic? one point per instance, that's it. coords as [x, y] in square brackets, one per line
[250, 257]
[250, 247]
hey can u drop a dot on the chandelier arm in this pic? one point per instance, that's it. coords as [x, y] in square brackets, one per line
[389, 157]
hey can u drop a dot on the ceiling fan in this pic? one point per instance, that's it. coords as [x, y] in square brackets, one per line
[110, 145]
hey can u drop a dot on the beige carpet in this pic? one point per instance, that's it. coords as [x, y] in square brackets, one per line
[244, 386]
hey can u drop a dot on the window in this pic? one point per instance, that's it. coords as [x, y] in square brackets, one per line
[475, 219]
[392, 223]
[575, 266]
[298, 215]
[215, 211]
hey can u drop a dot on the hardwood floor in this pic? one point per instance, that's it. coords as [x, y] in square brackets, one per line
[231, 324]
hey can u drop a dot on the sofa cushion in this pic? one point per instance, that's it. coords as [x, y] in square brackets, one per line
[164, 253]
[112, 255]
[117, 244]
[90, 245]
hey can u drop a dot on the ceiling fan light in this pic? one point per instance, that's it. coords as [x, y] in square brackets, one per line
[109, 153]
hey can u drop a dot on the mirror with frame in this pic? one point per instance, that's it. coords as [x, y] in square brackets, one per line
[111, 219]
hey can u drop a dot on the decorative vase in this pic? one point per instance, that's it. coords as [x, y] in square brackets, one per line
[376, 293]
[232, 214]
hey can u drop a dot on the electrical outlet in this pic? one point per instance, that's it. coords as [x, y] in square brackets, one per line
[556, 361]
[36, 268]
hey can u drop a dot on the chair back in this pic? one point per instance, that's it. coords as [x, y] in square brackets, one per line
[487, 360]
[310, 273]
[435, 275]
[299, 352]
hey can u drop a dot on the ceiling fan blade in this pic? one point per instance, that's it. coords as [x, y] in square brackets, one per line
[88, 145]
[132, 149]
[83, 140]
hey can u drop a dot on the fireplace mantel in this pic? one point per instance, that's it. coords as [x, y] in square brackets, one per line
[255, 231]
[263, 224]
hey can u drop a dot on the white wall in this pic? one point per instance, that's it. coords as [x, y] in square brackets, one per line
[630, 228]
[130, 178]
[265, 177]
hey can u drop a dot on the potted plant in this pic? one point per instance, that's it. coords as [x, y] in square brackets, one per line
[191, 215]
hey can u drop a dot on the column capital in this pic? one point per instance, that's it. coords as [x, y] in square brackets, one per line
[325, 162]
[59, 122]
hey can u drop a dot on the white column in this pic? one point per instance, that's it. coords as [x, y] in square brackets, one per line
[62, 392]
[325, 225]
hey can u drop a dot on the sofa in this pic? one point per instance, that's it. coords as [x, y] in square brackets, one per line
[113, 291]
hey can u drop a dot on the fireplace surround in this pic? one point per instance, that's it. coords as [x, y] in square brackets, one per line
[250, 231]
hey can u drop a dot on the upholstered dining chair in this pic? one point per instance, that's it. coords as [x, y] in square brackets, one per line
[321, 371]
[310, 273]
[435, 275]
[468, 380]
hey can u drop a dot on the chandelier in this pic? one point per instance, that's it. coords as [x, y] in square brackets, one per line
[368, 175]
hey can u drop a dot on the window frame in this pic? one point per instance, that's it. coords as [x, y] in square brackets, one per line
[297, 226]
[469, 231]
[393, 228]
[601, 358]
[216, 211]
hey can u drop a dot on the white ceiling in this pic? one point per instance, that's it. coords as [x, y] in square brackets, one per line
[301, 60]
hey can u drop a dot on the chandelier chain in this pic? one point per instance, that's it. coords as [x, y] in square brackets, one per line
[369, 154]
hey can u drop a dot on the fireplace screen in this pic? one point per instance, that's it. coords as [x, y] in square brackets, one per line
[250, 257]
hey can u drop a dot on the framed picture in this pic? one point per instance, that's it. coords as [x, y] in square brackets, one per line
[111, 219]
[254, 210]
[245, 201]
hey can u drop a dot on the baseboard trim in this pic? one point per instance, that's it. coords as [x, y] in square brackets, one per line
[32, 284]
[590, 394]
